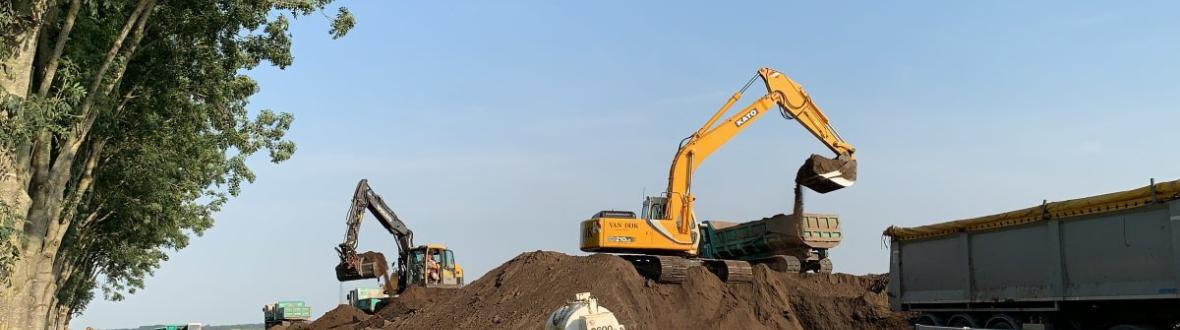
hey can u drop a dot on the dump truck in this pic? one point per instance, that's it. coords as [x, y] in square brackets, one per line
[190, 326]
[285, 313]
[666, 238]
[368, 299]
[788, 243]
[1109, 261]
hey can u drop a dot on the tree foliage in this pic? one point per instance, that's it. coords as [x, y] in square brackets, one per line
[148, 99]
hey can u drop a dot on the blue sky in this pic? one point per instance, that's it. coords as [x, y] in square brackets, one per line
[495, 127]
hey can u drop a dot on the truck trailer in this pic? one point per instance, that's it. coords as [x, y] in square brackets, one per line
[1110, 261]
[285, 313]
[787, 243]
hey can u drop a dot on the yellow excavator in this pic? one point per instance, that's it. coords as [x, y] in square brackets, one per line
[666, 239]
[429, 265]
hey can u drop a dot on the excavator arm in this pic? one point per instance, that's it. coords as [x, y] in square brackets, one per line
[354, 266]
[817, 173]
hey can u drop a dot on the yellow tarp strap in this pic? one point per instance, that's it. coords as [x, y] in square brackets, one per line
[1105, 203]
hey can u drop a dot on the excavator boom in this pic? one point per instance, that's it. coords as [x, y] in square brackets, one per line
[354, 266]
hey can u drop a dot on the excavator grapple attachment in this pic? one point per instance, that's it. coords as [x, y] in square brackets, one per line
[362, 266]
[824, 175]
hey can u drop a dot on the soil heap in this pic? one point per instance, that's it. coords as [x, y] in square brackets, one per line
[521, 293]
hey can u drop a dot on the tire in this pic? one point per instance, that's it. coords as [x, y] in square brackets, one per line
[1002, 321]
[929, 319]
[962, 320]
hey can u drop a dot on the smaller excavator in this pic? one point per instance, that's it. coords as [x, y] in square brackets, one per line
[430, 265]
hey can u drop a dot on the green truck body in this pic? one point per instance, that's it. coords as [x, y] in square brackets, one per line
[367, 299]
[190, 326]
[285, 312]
[806, 238]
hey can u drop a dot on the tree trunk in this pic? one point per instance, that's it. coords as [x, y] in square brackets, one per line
[37, 202]
[59, 318]
[46, 226]
[14, 204]
[17, 73]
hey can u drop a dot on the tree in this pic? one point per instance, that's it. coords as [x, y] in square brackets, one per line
[125, 128]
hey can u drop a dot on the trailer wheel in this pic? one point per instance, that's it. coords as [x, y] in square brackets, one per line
[962, 320]
[1002, 321]
[929, 319]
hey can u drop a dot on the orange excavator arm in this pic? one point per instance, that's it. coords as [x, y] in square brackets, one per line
[818, 173]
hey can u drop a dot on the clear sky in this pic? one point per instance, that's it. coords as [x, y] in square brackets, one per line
[496, 126]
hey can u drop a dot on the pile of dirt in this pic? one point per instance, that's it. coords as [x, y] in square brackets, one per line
[404, 305]
[521, 293]
[342, 317]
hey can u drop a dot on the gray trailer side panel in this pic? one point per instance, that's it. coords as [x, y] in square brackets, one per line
[1130, 254]
[934, 270]
[1120, 254]
[1012, 263]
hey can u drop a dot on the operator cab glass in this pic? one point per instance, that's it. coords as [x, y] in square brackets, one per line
[653, 208]
[416, 257]
[449, 259]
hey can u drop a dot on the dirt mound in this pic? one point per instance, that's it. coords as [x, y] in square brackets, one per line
[342, 317]
[404, 305]
[521, 293]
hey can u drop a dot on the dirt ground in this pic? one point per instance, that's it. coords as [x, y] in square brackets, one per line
[521, 293]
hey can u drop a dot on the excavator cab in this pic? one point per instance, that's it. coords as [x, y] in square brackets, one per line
[433, 265]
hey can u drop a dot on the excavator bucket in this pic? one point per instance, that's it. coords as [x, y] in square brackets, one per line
[363, 266]
[824, 175]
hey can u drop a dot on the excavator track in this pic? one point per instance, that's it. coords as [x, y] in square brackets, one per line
[782, 263]
[663, 269]
[825, 266]
[732, 270]
[672, 269]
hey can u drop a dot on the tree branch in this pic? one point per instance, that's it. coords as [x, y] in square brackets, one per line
[84, 182]
[53, 60]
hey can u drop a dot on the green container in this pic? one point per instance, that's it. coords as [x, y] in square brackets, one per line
[289, 303]
[780, 234]
[369, 293]
[369, 305]
[294, 313]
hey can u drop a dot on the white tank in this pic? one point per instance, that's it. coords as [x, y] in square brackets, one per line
[582, 313]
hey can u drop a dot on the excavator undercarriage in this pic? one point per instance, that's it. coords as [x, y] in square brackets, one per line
[674, 269]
